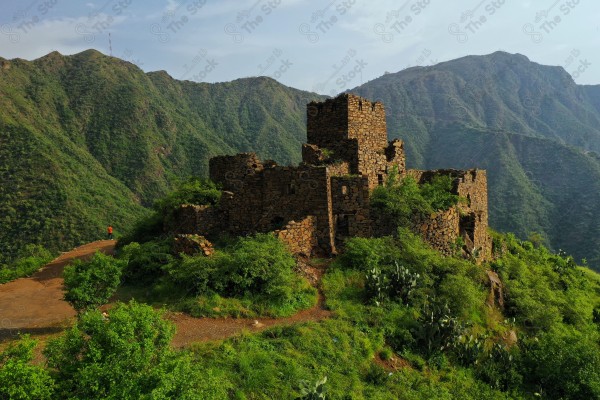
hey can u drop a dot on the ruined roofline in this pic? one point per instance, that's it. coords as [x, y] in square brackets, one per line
[344, 99]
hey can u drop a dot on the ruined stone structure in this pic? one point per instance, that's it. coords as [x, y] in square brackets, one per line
[324, 200]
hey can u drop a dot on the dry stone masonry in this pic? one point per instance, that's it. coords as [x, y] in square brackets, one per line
[317, 205]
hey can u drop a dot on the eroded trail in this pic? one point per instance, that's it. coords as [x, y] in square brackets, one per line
[190, 329]
[35, 305]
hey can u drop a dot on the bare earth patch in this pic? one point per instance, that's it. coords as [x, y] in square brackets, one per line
[35, 305]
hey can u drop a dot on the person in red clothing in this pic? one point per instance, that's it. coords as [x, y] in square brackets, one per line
[109, 231]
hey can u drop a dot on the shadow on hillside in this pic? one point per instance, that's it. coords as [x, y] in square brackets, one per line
[48, 273]
[10, 334]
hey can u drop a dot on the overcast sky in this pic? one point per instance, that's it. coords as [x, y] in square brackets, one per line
[325, 46]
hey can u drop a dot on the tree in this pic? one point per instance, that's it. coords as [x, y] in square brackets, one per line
[564, 364]
[91, 284]
[18, 378]
[124, 356]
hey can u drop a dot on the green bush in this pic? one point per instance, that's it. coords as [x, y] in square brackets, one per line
[30, 259]
[145, 262]
[403, 200]
[500, 367]
[257, 264]
[124, 356]
[564, 364]
[193, 191]
[255, 272]
[364, 254]
[145, 230]
[438, 193]
[90, 284]
[543, 290]
[400, 201]
[19, 379]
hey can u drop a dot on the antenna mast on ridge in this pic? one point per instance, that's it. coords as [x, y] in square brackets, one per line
[110, 44]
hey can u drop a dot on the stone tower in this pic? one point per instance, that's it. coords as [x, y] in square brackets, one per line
[353, 130]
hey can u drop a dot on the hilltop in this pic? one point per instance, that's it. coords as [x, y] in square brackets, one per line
[88, 140]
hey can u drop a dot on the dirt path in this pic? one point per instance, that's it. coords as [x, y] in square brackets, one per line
[34, 305]
[190, 329]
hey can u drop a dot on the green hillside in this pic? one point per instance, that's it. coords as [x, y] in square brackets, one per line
[534, 130]
[89, 140]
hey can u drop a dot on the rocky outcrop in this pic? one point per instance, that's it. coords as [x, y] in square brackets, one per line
[496, 294]
[192, 245]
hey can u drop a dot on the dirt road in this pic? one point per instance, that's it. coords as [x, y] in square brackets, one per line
[35, 305]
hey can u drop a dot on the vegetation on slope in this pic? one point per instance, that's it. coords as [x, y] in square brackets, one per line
[533, 129]
[28, 261]
[401, 200]
[407, 323]
[89, 140]
[438, 340]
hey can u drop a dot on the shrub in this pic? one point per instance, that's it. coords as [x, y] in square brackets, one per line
[402, 200]
[145, 262]
[258, 270]
[29, 260]
[192, 191]
[500, 368]
[260, 264]
[257, 264]
[126, 356]
[19, 379]
[146, 229]
[564, 364]
[89, 284]
[438, 193]
[364, 254]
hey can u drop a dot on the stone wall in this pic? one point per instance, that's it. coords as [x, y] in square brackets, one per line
[268, 197]
[440, 230]
[472, 186]
[350, 207]
[231, 171]
[328, 195]
[300, 237]
[194, 219]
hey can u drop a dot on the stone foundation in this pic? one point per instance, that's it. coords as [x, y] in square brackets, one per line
[300, 237]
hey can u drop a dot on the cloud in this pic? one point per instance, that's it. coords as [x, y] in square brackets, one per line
[66, 35]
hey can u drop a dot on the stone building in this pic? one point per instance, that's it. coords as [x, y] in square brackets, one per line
[324, 200]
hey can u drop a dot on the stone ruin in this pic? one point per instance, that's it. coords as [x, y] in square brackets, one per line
[315, 206]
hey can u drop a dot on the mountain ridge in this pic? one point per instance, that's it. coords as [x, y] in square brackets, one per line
[93, 118]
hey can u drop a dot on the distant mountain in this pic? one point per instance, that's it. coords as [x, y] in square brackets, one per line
[534, 130]
[87, 140]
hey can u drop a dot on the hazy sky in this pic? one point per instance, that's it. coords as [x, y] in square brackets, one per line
[325, 46]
